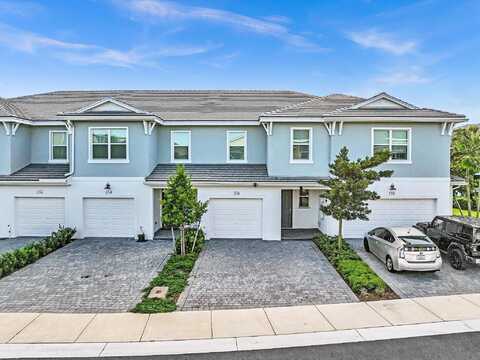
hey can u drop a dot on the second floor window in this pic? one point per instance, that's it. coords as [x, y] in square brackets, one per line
[109, 144]
[397, 141]
[301, 145]
[180, 141]
[58, 146]
[237, 146]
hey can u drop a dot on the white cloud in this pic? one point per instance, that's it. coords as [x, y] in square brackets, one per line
[171, 11]
[383, 41]
[87, 54]
[412, 75]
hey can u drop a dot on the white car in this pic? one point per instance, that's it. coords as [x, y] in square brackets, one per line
[403, 249]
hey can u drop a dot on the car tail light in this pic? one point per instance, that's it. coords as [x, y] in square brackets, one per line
[401, 253]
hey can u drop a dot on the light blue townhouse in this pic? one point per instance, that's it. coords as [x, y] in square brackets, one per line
[98, 160]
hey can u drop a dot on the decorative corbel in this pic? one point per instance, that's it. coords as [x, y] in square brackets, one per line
[444, 127]
[14, 128]
[328, 126]
[340, 128]
[268, 127]
[450, 129]
[7, 128]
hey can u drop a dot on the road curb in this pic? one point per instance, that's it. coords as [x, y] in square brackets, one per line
[81, 350]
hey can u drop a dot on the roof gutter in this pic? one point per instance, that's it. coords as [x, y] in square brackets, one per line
[283, 185]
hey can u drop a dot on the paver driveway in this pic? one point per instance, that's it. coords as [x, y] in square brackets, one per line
[447, 281]
[89, 275]
[255, 273]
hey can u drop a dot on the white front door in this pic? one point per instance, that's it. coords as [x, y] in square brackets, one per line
[112, 217]
[38, 216]
[235, 218]
[389, 213]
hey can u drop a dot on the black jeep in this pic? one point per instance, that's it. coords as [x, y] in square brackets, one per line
[459, 237]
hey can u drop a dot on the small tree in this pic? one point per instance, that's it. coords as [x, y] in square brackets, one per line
[347, 192]
[180, 207]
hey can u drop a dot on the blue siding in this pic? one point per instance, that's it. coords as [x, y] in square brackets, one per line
[139, 148]
[40, 143]
[4, 153]
[209, 144]
[20, 148]
[279, 152]
[430, 149]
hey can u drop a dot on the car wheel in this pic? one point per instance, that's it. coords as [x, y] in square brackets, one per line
[389, 264]
[456, 258]
[365, 245]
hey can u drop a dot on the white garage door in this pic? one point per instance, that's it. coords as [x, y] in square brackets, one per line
[109, 217]
[392, 213]
[235, 218]
[38, 216]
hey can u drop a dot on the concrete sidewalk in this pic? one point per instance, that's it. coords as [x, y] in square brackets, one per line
[230, 330]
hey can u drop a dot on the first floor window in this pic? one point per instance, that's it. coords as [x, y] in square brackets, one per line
[394, 140]
[59, 146]
[303, 199]
[301, 145]
[109, 144]
[237, 141]
[180, 146]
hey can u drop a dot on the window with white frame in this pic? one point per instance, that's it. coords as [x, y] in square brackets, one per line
[108, 144]
[58, 146]
[303, 198]
[180, 141]
[397, 141]
[237, 146]
[301, 145]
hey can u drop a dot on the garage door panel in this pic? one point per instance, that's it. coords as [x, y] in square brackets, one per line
[109, 217]
[38, 216]
[235, 218]
[404, 212]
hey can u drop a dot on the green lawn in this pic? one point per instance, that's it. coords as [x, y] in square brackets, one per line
[456, 212]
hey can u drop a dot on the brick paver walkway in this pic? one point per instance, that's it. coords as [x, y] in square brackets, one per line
[90, 275]
[255, 273]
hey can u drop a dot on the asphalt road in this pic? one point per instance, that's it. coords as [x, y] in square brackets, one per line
[441, 347]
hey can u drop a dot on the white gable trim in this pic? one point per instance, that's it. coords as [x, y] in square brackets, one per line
[383, 96]
[105, 101]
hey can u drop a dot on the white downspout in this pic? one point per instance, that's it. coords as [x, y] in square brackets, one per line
[72, 159]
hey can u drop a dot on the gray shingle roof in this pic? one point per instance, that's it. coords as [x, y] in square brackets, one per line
[35, 172]
[340, 105]
[169, 105]
[9, 109]
[224, 173]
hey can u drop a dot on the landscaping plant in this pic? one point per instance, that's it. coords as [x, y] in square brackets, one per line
[465, 160]
[363, 281]
[348, 195]
[16, 259]
[180, 207]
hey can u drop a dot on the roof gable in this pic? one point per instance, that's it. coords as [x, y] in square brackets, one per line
[108, 105]
[383, 101]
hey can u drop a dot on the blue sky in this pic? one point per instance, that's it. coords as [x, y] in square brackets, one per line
[426, 52]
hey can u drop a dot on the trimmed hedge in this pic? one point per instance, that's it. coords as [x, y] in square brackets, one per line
[16, 259]
[362, 280]
[175, 275]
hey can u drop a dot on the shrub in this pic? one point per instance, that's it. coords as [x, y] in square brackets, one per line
[189, 239]
[357, 274]
[175, 275]
[18, 258]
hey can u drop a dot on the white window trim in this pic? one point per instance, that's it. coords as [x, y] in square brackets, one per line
[409, 144]
[300, 196]
[50, 147]
[310, 146]
[172, 153]
[245, 159]
[106, 161]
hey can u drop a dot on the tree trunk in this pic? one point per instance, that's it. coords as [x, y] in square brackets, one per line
[196, 236]
[182, 240]
[469, 200]
[340, 234]
[174, 241]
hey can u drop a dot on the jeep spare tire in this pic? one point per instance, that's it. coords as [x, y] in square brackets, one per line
[456, 258]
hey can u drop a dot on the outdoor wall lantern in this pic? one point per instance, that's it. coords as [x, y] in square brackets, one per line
[107, 188]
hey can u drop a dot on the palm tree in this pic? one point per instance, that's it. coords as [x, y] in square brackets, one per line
[465, 157]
